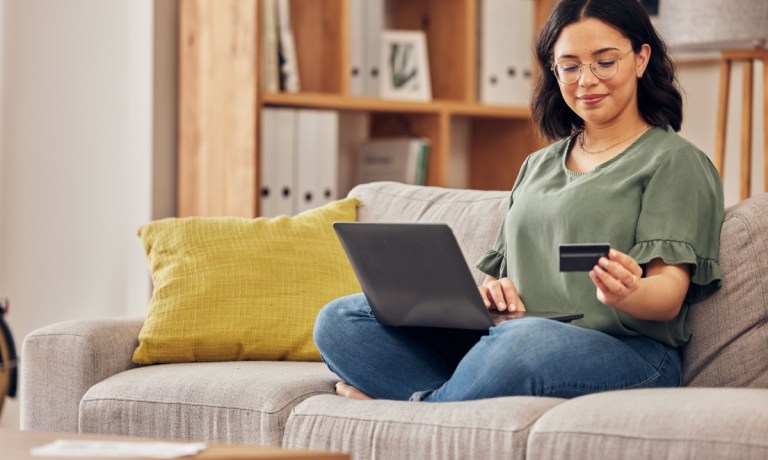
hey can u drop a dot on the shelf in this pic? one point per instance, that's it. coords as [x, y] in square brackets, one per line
[471, 144]
[335, 102]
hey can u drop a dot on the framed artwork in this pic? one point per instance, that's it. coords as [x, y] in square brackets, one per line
[404, 66]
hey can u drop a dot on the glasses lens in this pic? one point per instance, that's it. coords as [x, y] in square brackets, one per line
[567, 72]
[605, 68]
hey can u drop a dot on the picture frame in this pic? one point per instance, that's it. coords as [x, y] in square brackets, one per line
[404, 66]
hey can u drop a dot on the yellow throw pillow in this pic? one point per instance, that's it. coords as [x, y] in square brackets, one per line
[242, 289]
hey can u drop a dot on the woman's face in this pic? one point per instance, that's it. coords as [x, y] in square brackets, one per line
[599, 102]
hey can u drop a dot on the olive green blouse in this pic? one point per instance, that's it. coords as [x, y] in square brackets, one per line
[660, 198]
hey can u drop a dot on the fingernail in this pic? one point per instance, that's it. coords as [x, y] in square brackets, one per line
[603, 261]
[502, 306]
[612, 253]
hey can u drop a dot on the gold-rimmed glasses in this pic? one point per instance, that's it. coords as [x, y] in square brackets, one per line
[604, 68]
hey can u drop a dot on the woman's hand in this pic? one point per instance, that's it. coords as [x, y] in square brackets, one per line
[657, 297]
[501, 294]
[616, 277]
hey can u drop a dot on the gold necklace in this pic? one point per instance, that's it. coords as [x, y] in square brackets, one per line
[582, 134]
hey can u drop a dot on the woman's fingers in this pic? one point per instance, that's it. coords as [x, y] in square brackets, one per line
[510, 294]
[496, 294]
[616, 277]
[502, 294]
[624, 270]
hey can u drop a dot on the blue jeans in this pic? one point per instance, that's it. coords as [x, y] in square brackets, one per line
[528, 356]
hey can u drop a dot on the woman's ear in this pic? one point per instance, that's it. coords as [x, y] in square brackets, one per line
[642, 58]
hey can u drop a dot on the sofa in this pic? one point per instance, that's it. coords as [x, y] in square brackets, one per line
[78, 376]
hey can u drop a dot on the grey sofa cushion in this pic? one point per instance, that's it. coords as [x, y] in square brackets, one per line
[487, 429]
[474, 216]
[729, 346]
[711, 423]
[233, 402]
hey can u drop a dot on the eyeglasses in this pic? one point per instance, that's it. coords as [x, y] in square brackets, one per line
[570, 72]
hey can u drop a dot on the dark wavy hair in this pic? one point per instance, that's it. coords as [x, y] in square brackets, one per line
[658, 97]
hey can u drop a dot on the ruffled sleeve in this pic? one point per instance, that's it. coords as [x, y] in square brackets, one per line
[705, 273]
[492, 263]
[680, 219]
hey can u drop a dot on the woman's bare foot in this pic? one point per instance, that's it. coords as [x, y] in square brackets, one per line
[348, 391]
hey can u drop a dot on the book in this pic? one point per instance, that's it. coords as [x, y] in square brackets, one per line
[399, 159]
[270, 68]
[289, 66]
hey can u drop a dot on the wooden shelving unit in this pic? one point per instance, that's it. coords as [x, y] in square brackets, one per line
[221, 95]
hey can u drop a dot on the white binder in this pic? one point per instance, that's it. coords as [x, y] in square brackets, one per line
[278, 162]
[506, 60]
[328, 172]
[374, 21]
[357, 64]
[523, 43]
[317, 159]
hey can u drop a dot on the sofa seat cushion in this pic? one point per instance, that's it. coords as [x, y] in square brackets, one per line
[231, 402]
[700, 423]
[489, 428]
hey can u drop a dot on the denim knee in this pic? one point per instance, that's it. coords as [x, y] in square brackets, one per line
[335, 317]
[523, 332]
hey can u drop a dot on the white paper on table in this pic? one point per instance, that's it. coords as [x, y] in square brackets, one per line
[117, 449]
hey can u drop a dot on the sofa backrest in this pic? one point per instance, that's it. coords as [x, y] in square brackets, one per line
[474, 216]
[729, 346]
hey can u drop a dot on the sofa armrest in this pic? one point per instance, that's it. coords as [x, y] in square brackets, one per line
[59, 363]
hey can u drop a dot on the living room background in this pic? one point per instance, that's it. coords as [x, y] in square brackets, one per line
[88, 155]
[88, 145]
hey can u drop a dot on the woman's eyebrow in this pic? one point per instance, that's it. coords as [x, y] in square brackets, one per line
[594, 53]
[603, 50]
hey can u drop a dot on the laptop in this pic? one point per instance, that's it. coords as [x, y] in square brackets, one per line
[416, 275]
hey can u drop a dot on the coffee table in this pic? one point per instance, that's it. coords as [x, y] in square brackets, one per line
[16, 445]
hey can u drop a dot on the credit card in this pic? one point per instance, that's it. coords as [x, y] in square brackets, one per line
[581, 257]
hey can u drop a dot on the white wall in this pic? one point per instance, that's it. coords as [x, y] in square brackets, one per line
[700, 81]
[87, 148]
[2, 73]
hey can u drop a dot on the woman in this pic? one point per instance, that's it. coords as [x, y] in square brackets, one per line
[617, 173]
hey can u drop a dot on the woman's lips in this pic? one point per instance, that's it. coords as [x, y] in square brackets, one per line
[592, 99]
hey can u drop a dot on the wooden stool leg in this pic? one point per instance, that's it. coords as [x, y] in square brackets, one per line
[722, 115]
[746, 129]
[765, 123]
